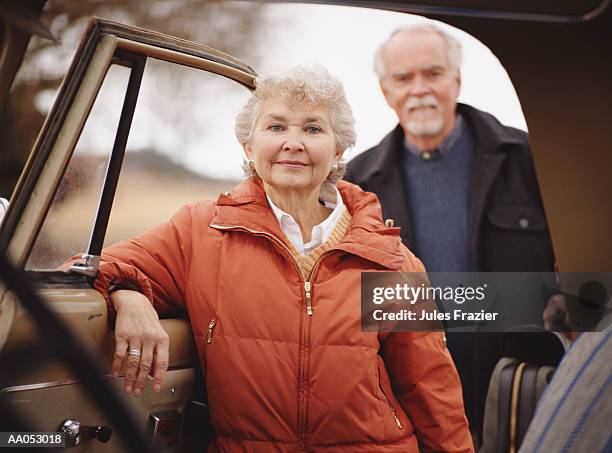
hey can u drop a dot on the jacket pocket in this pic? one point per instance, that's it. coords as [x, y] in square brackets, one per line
[390, 404]
[517, 217]
[204, 341]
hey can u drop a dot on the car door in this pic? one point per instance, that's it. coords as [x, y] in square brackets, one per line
[44, 392]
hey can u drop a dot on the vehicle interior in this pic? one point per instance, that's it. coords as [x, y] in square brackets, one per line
[556, 54]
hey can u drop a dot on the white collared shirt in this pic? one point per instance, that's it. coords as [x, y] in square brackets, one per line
[320, 233]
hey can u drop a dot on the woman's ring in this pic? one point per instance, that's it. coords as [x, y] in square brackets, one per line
[134, 352]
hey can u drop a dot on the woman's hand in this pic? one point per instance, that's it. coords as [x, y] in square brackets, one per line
[137, 328]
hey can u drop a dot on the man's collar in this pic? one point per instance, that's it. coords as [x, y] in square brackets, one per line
[447, 144]
[487, 130]
[489, 135]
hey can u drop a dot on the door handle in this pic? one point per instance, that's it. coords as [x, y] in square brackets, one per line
[75, 432]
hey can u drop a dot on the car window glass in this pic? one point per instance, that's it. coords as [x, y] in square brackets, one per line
[184, 120]
[67, 227]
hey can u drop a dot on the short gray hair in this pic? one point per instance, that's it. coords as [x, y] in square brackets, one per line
[308, 84]
[453, 47]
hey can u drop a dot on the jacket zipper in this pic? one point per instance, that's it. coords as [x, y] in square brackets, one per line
[209, 332]
[393, 411]
[303, 384]
[397, 420]
[308, 299]
[307, 283]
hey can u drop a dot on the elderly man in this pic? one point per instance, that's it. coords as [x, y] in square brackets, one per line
[459, 183]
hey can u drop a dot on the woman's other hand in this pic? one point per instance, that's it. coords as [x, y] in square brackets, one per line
[137, 328]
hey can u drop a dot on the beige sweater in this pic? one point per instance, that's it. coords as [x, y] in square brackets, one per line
[307, 261]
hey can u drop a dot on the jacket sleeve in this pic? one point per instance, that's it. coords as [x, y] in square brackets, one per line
[155, 264]
[426, 383]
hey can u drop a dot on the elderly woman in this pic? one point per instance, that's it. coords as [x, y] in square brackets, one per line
[269, 276]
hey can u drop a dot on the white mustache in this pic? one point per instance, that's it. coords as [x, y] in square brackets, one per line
[425, 101]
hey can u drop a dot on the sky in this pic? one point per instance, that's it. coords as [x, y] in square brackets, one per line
[343, 39]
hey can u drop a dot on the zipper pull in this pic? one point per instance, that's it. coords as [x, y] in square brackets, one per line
[308, 299]
[211, 326]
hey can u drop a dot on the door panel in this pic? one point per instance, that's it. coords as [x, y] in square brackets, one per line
[44, 392]
[47, 406]
[84, 310]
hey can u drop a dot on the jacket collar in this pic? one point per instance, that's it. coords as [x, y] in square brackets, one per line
[388, 154]
[386, 177]
[246, 208]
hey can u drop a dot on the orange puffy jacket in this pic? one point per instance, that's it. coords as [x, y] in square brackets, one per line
[278, 378]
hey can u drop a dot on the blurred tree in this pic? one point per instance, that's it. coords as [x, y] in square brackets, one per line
[227, 26]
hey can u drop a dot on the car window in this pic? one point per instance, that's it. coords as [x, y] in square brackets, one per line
[184, 121]
[178, 107]
[68, 225]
